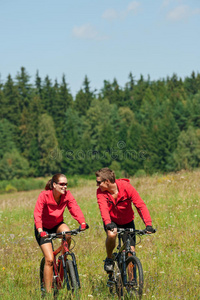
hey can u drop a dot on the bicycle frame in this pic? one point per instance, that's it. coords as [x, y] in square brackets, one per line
[123, 251]
[60, 262]
[125, 258]
[60, 267]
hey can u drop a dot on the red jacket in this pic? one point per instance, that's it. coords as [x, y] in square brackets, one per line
[120, 211]
[48, 213]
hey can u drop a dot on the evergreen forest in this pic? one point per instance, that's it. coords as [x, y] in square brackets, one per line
[144, 127]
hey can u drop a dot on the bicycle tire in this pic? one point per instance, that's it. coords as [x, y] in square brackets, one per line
[115, 281]
[42, 286]
[135, 278]
[42, 275]
[72, 276]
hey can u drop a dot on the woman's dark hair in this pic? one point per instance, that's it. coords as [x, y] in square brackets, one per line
[55, 178]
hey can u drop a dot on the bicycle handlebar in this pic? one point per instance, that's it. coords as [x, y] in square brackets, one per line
[57, 235]
[131, 230]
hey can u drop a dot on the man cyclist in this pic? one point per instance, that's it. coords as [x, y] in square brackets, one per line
[115, 198]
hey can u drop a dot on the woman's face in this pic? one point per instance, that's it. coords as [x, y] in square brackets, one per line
[61, 185]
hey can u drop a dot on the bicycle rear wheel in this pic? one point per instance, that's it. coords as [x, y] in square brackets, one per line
[115, 281]
[54, 280]
[134, 275]
[72, 275]
[42, 276]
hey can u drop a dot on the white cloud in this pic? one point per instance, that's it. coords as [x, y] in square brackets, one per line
[87, 31]
[168, 2]
[111, 14]
[182, 12]
[133, 6]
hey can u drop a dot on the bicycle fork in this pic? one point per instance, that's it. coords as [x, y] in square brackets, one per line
[124, 278]
[64, 262]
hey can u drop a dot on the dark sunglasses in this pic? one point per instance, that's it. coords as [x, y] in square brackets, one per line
[99, 182]
[62, 183]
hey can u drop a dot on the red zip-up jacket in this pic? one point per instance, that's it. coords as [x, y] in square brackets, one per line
[120, 211]
[48, 213]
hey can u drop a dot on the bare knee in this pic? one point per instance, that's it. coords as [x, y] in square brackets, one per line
[68, 238]
[111, 235]
[49, 262]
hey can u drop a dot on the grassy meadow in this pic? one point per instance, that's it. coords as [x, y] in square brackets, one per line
[170, 258]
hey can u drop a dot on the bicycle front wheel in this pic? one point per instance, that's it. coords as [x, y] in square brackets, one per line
[134, 275]
[115, 281]
[72, 275]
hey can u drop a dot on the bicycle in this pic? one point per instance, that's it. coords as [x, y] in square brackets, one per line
[65, 271]
[127, 277]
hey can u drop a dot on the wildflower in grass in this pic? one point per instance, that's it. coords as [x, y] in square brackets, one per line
[3, 268]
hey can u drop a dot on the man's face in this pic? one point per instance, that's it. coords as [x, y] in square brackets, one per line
[102, 184]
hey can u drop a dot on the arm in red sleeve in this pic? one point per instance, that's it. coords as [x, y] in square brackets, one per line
[38, 211]
[103, 206]
[74, 209]
[140, 206]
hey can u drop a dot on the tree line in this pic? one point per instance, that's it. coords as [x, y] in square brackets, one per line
[146, 126]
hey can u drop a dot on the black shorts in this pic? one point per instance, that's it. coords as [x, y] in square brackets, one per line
[42, 241]
[128, 225]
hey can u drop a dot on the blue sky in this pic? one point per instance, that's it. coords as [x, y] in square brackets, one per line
[103, 39]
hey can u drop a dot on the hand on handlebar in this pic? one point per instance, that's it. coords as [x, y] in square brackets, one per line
[149, 229]
[43, 234]
[83, 226]
[111, 226]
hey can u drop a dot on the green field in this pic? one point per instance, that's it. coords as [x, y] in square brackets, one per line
[170, 258]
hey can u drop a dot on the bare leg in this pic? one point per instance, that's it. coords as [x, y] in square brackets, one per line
[133, 248]
[64, 227]
[48, 267]
[110, 241]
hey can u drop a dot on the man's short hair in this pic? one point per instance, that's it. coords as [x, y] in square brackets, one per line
[106, 174]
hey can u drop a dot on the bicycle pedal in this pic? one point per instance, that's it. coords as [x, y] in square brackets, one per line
[110, 283]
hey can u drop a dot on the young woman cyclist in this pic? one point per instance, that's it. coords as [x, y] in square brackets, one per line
[48, 217]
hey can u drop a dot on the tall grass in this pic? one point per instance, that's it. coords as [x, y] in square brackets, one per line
[170, 258]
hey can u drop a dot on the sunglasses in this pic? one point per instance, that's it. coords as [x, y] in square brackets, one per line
[62, 183]
[99, 182]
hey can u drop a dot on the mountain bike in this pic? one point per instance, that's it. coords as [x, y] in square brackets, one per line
[127, 277]
[65, 271]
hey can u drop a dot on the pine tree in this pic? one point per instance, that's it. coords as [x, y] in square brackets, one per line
[47, 96]
[187, 153]
[38, 84]
[24, 88]
[50, 155]
[62, 101]
[83, 98]
[71, 137]
[10, 107]
[6, 137]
